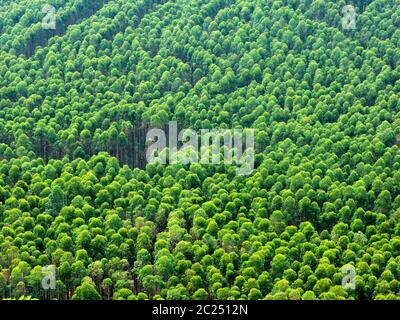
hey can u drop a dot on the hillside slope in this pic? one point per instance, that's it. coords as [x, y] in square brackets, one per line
[76, 191]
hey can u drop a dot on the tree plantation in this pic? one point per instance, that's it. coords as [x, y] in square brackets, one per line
[317, 219]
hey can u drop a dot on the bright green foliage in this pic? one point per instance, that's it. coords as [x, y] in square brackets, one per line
[76, 192]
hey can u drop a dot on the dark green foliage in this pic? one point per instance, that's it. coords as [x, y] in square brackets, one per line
[76, 192]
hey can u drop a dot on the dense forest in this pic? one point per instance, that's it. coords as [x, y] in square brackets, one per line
[76, 192]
